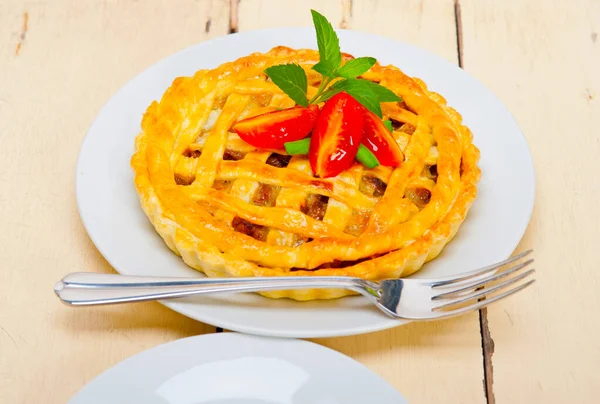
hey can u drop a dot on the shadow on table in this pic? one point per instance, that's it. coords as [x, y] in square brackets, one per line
[149, 316]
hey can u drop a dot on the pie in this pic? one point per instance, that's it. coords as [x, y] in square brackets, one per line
[230, 209]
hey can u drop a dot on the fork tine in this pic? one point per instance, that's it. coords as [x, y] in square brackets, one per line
[484, 292]
[482, 303]
[473, 274]
[482, 282]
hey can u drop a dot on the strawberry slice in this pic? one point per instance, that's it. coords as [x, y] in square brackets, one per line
[378, 139]
[273, 129]
[336, 136]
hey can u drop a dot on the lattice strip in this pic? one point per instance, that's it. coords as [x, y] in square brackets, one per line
[291, 198]
[344, 191]
[386, 214]
[217, 139]
[189, 129]
[241, 188]
[285, 219]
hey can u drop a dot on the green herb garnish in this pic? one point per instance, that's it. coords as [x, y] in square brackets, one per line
[298, 147]
[329, 46]
[366, 157]
[388, 124]
[291, 78]
[355, 67]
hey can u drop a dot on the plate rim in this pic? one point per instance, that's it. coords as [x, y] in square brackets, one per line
[207, 318]
[200, 340]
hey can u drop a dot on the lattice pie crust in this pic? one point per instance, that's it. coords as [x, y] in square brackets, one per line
[229, 209]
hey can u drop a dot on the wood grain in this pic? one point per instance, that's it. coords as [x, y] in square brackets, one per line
[437, 362]
[542, 58]
[429, 24]
[258, 14]
[56, 72]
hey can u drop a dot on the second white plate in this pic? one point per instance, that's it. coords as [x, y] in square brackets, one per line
[111, 212]
[230, 368]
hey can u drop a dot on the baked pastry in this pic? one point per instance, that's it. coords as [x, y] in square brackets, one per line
[231, 209]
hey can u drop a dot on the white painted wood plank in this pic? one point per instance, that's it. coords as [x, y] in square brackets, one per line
[542, 58]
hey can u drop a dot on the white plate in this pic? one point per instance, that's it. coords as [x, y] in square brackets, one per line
[111, 212]
[230, 368]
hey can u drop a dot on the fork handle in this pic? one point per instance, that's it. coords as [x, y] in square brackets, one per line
[89, 289]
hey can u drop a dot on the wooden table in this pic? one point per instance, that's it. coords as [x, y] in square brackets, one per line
[61, 60]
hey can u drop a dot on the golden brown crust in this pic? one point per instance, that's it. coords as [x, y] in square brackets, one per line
[192, 195]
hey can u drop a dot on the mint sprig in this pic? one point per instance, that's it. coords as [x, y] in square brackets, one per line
[292, 78]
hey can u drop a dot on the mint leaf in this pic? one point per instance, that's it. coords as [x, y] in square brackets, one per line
[356, 67]
[291, 78]
[383, 94]
[368, 100]
[360, 90]
[388, 124]
[326, 69]
[329, 46]
[364, 91]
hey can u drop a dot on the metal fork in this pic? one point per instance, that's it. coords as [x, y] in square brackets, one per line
[414, 299]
